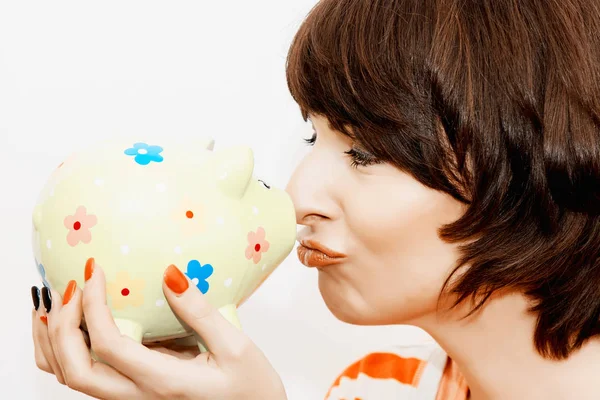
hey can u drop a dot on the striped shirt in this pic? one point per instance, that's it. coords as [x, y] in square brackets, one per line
[420, 372]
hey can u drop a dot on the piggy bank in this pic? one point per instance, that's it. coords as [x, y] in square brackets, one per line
[138, 207]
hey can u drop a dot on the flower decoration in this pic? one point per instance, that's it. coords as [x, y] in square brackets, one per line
[199, 274]
[125, 291]
[42, 272]
[190, 216]
[256, 245]
[79, 226]
[144, 153]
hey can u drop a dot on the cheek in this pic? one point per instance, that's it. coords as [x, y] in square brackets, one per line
[399, 263]
[390, 220]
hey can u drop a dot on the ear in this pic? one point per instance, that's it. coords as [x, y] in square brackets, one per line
[210, 144]
[234, 167]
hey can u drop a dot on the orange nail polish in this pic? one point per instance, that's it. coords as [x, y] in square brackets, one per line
[89, 269]
[44, 319]
[69, 292]
[176, 280]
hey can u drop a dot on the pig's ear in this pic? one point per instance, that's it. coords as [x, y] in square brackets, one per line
[210, 144]
[234, 168]
[204, 142]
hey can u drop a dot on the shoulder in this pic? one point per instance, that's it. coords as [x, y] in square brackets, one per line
[396, 372]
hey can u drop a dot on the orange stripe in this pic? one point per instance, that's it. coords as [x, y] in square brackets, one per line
[453, 385]
[385, 366]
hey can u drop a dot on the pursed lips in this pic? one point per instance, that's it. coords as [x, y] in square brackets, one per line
[314, 254]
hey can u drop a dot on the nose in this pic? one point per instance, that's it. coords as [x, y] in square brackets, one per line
[312, 191]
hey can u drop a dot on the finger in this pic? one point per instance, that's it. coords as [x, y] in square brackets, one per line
[52, 303]
[42, 340]
[40, 359]
[221, 337]
[124, 354]
[81, 372]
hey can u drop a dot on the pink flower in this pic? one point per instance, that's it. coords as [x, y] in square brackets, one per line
[256, 245]
[79, 226]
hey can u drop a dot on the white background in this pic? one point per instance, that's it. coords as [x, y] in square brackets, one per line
[75, 72]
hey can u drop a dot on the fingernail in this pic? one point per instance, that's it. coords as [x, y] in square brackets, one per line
[44, 319]
[69, 292]
[35, 296]
[47, 299]
[176, 280]
[89, 269]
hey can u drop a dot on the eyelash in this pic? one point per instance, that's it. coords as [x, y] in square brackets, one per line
[358, 157]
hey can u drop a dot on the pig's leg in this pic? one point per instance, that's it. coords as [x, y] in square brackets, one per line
[230, 313]
[127, 328]
[130, 329]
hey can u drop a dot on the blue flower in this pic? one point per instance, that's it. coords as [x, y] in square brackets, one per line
[199, 273]
[42, 272]
[144, 153]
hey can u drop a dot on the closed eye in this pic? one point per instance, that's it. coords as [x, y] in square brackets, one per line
[311, 141]
[265, 185]
[358, 157]
[361, 158]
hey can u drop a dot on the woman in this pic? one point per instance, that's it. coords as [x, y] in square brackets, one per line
[462, 148]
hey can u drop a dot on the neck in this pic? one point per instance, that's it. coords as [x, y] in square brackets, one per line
[494, 350]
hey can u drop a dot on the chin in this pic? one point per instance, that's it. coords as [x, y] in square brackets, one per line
[348, 305]
[337, 298]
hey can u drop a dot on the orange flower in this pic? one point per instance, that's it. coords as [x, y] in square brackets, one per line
[190, 216]
[125, 291]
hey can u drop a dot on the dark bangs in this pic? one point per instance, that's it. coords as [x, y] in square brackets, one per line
[494, 102]
[369, 74]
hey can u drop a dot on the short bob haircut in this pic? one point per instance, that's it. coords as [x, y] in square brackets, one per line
[495, 102]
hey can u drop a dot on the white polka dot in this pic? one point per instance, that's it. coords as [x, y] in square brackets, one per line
[228, 282]
[99, 182]
[52, 192]
[161, 187]
[142, 151]
[160, 303]
[264, 267]
[223, 176]
[220, 220]
[195, 281]
[178, 250]
[125, 249]
[49, 244]
[255, 210]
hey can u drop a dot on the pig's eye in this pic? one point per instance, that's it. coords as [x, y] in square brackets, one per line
[267, 186]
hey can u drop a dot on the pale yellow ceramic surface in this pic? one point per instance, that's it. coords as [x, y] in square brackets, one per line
[136, 220]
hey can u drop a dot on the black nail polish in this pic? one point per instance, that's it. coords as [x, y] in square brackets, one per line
[47, 298]
[35, 295]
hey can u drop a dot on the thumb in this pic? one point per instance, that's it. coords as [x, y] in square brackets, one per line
[191, 306]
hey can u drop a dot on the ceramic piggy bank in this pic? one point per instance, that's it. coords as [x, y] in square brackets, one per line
[138, 207]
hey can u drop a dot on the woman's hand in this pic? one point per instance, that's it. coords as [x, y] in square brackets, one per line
[234, 368]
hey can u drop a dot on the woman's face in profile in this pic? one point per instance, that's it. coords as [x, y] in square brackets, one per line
[384, 221]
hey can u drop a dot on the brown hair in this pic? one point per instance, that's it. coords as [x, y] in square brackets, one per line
[495, 102]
